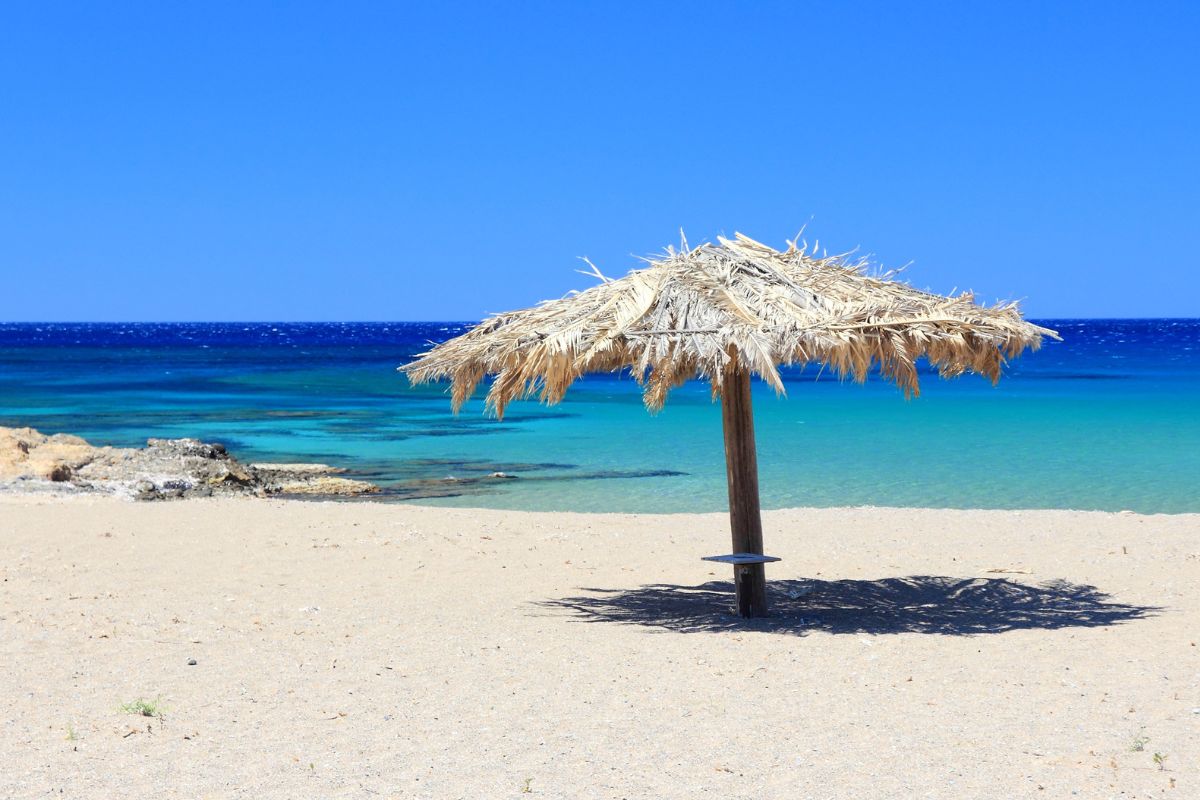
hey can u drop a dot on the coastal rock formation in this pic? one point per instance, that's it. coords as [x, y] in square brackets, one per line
[163, 469]
[308, 479]
[26, 452]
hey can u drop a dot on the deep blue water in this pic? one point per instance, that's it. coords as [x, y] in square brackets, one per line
[1108, 419]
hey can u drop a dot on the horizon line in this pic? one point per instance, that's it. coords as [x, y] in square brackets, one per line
[455, 321]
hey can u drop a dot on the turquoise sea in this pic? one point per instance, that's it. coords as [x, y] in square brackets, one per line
[1108, 419]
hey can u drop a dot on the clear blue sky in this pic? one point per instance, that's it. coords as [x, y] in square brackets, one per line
[293, 161]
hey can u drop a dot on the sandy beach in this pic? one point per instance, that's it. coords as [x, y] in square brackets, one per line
[373, 650]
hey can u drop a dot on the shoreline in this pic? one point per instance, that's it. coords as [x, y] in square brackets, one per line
[8, 493]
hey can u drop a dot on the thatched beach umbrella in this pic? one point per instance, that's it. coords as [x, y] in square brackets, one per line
[722, 313]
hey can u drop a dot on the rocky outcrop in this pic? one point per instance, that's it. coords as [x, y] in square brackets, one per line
[308, 479]
[163, 469]
[26, 452]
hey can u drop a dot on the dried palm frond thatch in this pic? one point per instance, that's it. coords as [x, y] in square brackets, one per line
[714, 309]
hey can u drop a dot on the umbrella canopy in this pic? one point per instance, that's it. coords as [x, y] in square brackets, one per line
[741, 304]
[723, 312]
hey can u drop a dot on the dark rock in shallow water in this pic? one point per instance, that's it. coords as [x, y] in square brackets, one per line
[308, 479]
[163, 469]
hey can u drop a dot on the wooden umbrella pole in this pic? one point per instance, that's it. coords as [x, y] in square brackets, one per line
[741, 467]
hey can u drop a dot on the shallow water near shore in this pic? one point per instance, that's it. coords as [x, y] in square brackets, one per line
[1109, 419]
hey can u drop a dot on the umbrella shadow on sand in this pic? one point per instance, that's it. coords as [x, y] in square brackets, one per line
[915, 604]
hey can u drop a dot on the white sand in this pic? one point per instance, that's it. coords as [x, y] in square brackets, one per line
[368, 650]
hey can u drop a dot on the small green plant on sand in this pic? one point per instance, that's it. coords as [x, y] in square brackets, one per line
[145, 708]
[1160, 759]
[1139, 742]
[71, 735]
[527, 788]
